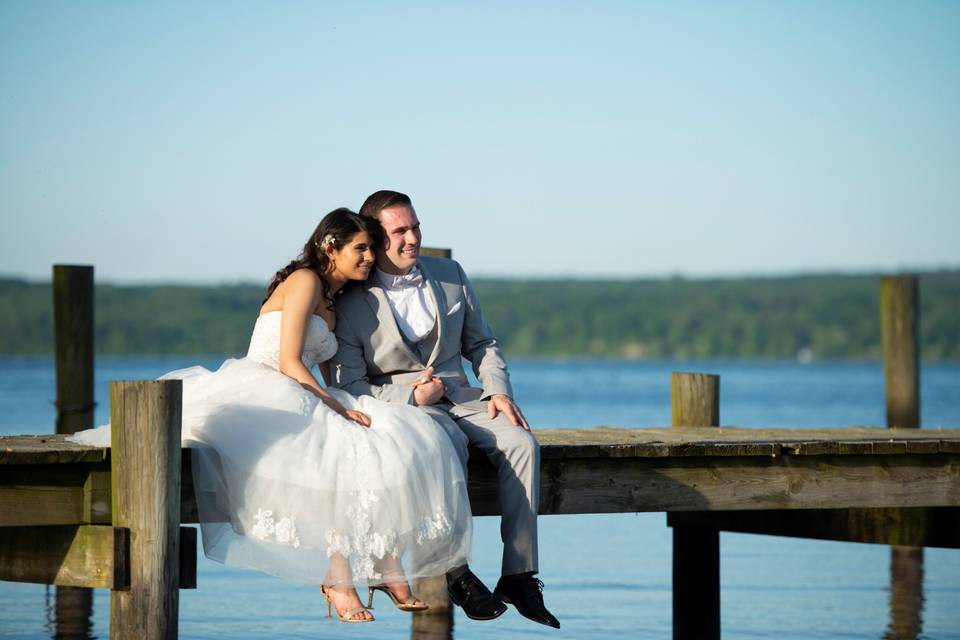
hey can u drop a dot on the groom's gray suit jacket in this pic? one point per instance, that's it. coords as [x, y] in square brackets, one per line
[374, 358]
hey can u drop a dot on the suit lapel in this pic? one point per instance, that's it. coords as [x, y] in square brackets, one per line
[378, 302]
[440, 302]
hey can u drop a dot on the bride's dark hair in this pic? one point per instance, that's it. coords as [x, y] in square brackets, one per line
[335, 230]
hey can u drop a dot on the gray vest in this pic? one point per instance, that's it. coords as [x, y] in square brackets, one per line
[424, 347]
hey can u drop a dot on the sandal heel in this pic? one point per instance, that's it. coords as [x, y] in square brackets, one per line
[326, 599]
[408, 606]
[347, 616]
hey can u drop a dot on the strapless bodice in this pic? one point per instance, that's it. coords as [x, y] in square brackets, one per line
[319, 345]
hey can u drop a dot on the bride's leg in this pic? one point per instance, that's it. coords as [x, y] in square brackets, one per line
[395, 579]
[338, 584]
[338, 573]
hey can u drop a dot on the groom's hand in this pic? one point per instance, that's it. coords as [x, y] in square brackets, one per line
[501, 403]
[427, 389]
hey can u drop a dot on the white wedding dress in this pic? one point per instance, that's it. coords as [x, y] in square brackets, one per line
[284, 484]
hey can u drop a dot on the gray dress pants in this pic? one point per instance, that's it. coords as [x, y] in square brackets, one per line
[515, 455]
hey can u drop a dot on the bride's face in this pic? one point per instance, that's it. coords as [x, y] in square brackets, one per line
[355, 259]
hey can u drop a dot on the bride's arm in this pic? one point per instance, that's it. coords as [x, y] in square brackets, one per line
[301, 296]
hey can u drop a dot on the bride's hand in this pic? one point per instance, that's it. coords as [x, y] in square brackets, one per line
[427, 389]
[359, 417]
[356, 416]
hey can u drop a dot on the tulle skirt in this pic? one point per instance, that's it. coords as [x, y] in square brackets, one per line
[286, 486]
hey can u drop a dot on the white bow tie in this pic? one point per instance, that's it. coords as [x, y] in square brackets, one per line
[412, 279]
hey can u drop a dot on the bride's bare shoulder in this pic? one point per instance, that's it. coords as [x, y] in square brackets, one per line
[302, 278]
[299, 284]
[303, 285]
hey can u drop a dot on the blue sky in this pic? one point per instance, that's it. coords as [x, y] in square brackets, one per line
[201, 142]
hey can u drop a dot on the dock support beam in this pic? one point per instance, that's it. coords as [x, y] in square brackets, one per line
[73, 348]
[695, 399]
[900, 324]
[73, 345]
[145, 464]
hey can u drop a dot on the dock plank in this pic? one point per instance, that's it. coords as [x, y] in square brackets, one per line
[615, 442]
[47, 449]
[599, 470]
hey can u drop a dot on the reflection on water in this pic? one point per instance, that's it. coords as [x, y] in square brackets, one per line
[69, 610]
[432, 626]
[877, 600]
[437, 622]
[69, 615]
[906, 594]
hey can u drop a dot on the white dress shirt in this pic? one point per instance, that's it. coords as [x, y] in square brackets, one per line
[413, 307]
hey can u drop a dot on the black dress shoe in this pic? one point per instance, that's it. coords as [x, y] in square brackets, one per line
[474, 598]
[526, 593]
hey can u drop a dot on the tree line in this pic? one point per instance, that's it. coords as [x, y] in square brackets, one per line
[818, 316]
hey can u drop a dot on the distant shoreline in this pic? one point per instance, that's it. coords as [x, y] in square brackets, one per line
[812, 317]
[550, 278]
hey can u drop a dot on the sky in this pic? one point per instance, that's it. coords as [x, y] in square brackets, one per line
[201, 142]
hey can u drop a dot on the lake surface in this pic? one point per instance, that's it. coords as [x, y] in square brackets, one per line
[606, 576]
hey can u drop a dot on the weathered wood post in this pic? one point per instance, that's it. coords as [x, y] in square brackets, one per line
[695, 400]
[73, 340]
[435, 623]
[145, 470]
[73, 349]
[900, 325]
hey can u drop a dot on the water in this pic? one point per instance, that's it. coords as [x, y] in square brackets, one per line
[607, 576]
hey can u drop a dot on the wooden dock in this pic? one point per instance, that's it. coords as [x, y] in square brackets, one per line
[57, 525]
[45, 480]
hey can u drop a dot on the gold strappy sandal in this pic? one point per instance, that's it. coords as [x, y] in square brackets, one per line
[409, 605]
[346, 616]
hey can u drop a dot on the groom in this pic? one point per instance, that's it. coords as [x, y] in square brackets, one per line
[402, 336]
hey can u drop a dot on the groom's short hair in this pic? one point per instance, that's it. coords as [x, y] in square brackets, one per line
[383, 199]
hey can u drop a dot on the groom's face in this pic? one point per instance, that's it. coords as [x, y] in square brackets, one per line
[401, 245]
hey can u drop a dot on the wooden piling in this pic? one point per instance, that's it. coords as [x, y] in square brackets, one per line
[436, 252]
[73, 348]
[901, 354]
[73, 340]
[145, 463]
[695, 400]
[900, 323]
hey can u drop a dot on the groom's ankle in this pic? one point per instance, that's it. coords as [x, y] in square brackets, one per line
[456, 572]
[518, 576]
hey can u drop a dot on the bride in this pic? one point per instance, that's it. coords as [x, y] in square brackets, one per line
[307, 482]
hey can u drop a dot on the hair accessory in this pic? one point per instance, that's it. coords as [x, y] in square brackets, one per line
[327, 242]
